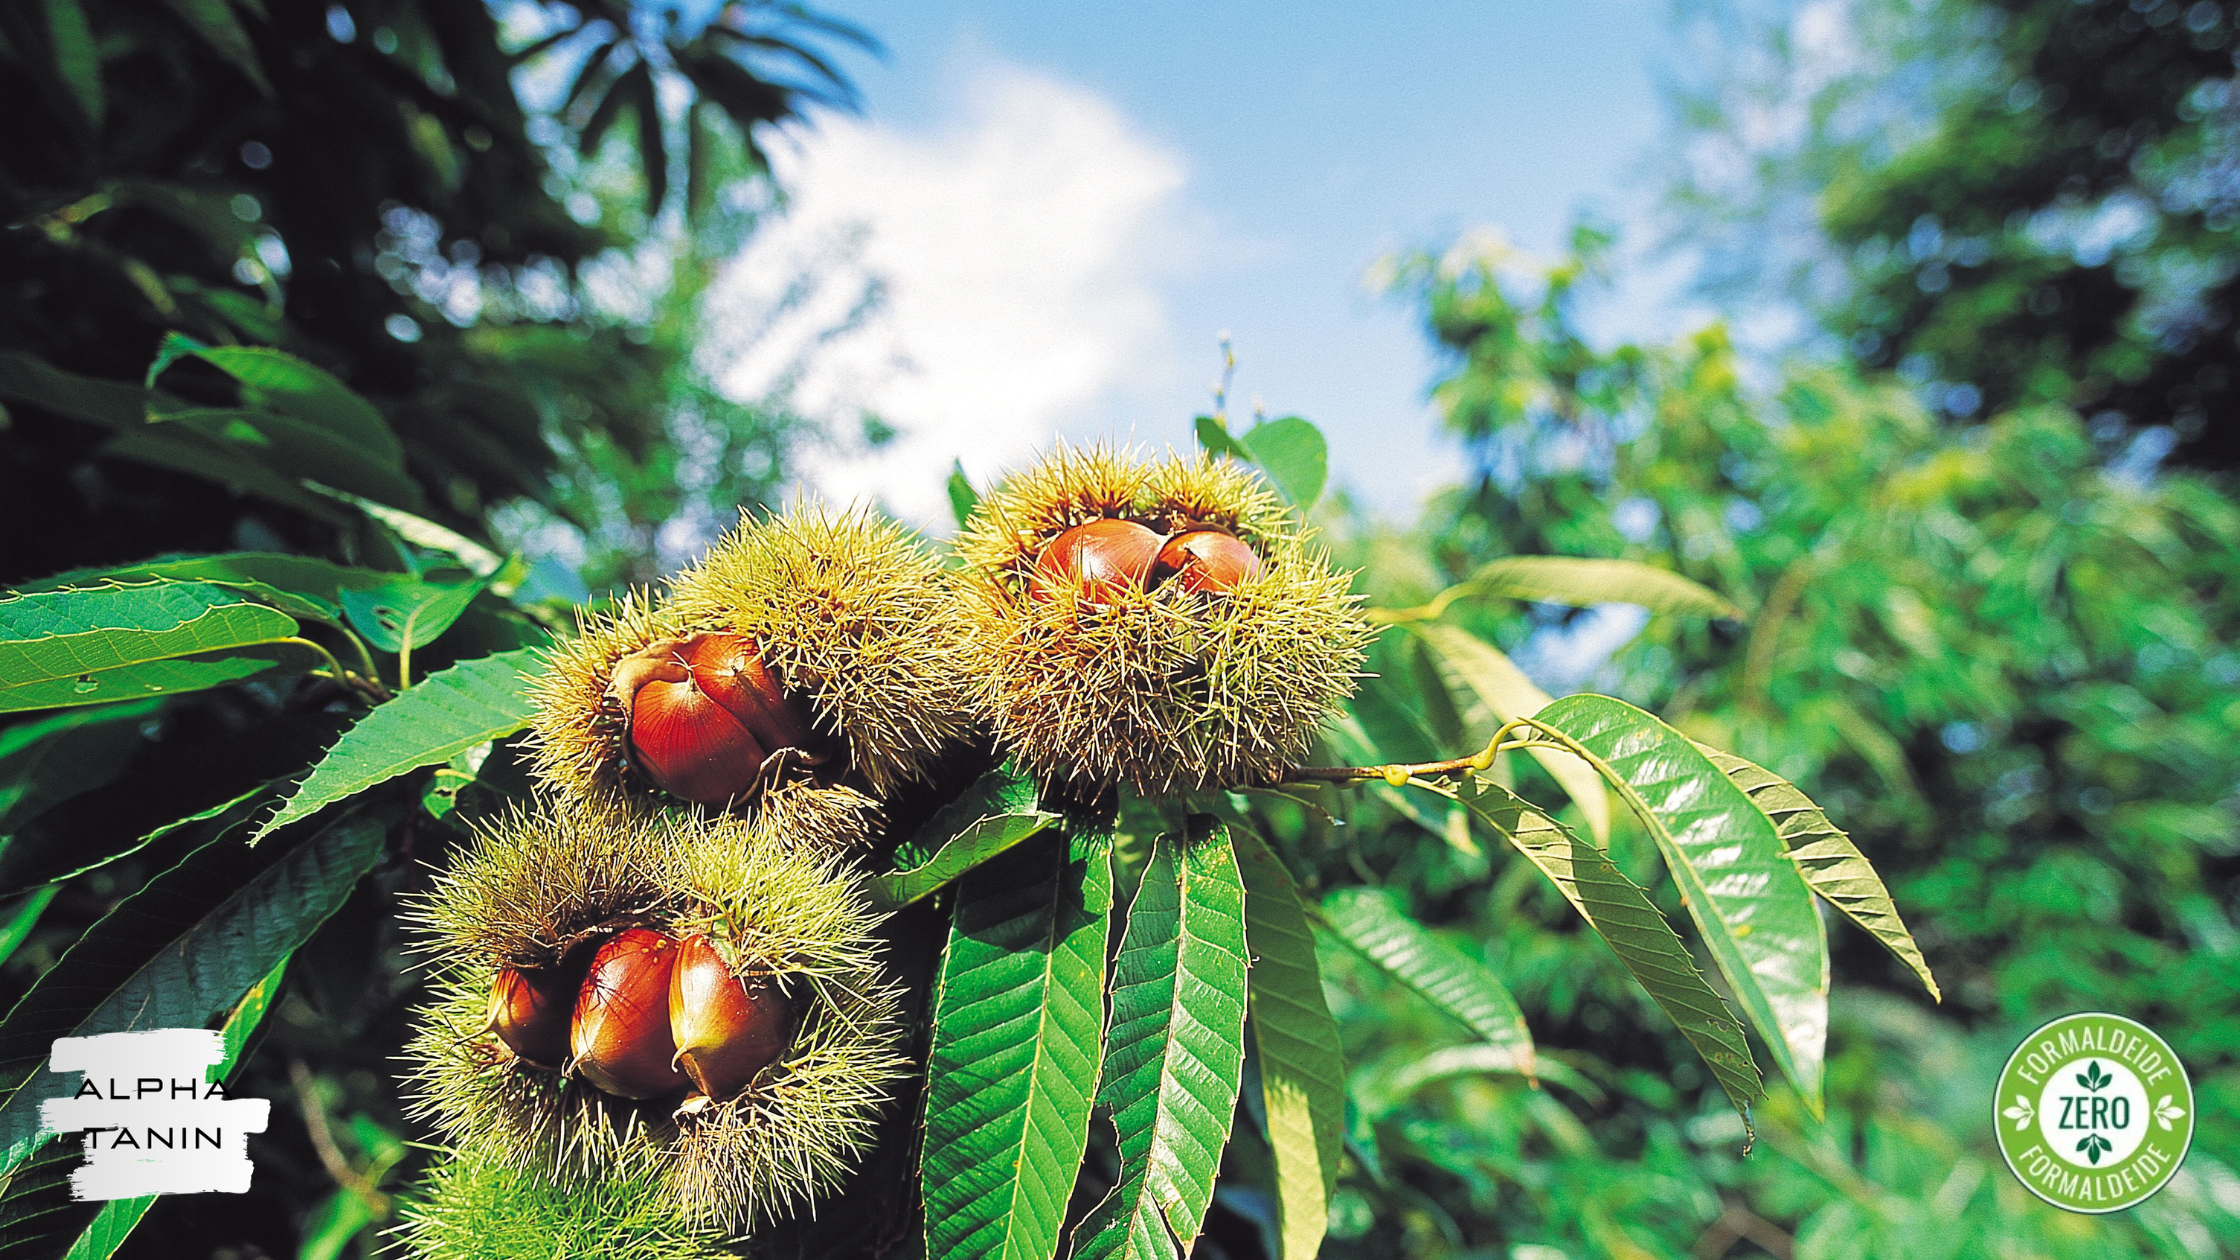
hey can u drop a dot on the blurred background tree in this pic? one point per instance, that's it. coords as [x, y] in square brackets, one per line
[488, 231]
[2005, 201]
[435, 203]
[2005, 667]
[1988, 624]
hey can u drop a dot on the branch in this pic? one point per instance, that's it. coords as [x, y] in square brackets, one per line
[1398, 774]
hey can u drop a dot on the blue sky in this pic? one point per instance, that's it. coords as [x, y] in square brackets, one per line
[1067, 203]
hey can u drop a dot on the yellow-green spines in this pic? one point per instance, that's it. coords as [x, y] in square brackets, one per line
[577, 731]
[1164, 687]
[474, 1207]
[536, 884]
[852, 612]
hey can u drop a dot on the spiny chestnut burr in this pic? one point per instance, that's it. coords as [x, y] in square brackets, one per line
[726, 1030]
[621, 1034]
[1101, 560]
[704, 715]
[1211, 561]
[530, 1009]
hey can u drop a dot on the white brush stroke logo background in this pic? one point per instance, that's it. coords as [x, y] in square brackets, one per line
[175, 1056]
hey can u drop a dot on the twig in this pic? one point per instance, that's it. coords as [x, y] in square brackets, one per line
[1736, 1224]
[1398, 774]
[322, 1141]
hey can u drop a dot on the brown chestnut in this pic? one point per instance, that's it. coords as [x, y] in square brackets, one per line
[529, 1011]
[1101, 561]
[704, 715]
[726, 1030]
[1212, 561]
[620, 1036]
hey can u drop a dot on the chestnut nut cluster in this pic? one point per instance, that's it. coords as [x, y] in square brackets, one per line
[706, 718]
[647, 1015]
[1104, 559]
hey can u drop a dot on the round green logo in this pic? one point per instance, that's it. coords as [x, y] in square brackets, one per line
[2094, 1112]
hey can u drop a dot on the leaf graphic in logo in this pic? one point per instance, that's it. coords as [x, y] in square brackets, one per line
[2093, 1146]
[2165, 1111]
[2092, 1077]
[2022, 1113]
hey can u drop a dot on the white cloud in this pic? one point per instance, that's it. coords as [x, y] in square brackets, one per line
[1018, 252]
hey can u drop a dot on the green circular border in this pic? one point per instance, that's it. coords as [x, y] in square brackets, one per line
[1999, 1129]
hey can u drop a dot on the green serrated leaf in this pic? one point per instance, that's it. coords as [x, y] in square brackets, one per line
[1474, 1059]
[1830, 863]
[294, 449]
[49, 760]
[1479, 672]
[1749, 901]
[962, 497]
[1371, 921]
[1125, 1224]
[175, 954]
[117, 1217]
[1018, 1018]
[1583, 583]
[406, 611]
[1175, 1057]
[60, 857]
[185, 451]
[1294, 455]
[278, 381]
[1215, 437]
[1302, 1061]
[960, 853]
[300, 586]
[1007, 789]
[117, 405]
[129, 641]
[1620, 912]
[421, 532]
[445, 713]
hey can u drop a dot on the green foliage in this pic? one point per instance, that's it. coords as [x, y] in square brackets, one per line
[402, 615]
[1175, 1054]
[980, 840]
[1585, 583]
[1829, 862]
[2040, 227]
[295, 318]
[48, 760]
[174, 955]
[1289, 450]
[1374, 923]
[117, 642]
[451, 711]
[1622, 915]
[51, 856]
[1301, 1060]
[1489, 689]
[1017, 1032]
[962, 496]
[1993, 662]
[1747, 899]
[41, 1181]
